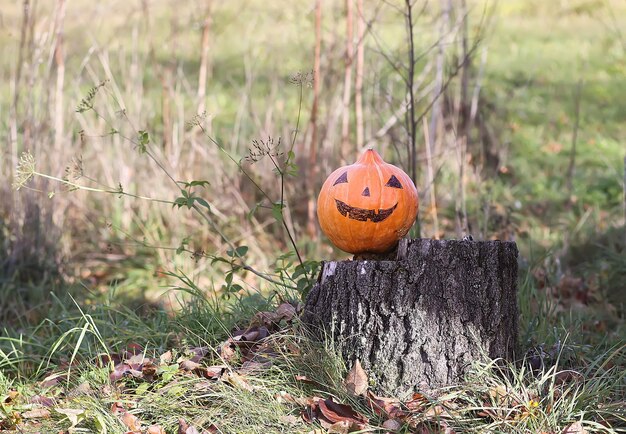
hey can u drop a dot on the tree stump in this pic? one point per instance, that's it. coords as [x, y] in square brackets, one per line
[419, 321]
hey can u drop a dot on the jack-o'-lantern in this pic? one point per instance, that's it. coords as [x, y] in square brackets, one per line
[368, 206]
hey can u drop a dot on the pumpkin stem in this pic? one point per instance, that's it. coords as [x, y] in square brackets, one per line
[370, 157]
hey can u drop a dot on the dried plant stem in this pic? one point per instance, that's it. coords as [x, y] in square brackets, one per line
[204, 59]
[312, 169]
[347, 85]
[431, 180]
[411, 118]
[358, 85]
[572, 156]
[59, 58]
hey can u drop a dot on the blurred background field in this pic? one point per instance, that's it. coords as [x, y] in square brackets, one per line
[543, 78]
[539, 161]
[518, 133]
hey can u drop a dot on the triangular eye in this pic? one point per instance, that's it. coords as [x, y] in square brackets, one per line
[393, 182]
[342, 178]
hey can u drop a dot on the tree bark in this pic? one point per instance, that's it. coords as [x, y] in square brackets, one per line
[419, 321]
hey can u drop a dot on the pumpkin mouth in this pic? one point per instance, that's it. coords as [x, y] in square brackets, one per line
[362, 214]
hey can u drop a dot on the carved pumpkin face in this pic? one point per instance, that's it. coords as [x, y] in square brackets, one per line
[367, 206]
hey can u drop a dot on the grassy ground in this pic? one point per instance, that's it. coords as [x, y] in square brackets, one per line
[83, 289]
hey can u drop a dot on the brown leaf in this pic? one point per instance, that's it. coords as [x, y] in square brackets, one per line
[149, 370]
[434, 412]
[386, 406]
[417, 402]
[51, 380]
[185, 428]
[575, 428]
[238, 381]
[117, 408]
[199, 353]
[214, 372]
[188, 365]
[131, 421]
[43, 400]
[286, 311]
[356, 381]
[341, 427]
[569, 376]
[119, 371]
[283, 396]
[228, 350]
[137, 361]
[155, 429]
[307, 380]
[82, 389]
[165, 358]
[37, 413]
[392, 425]
[11, 396]
[335, 412]
[182, 426]
[73, 414]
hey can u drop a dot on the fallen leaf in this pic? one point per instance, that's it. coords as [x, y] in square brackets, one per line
[43, 400]
[51, 380]
[575, 428]
[73, 414]
[149, 370]
[392, 425]
[341, 427]
[117, 408]
[307, 380]
[185, 428]
[212, 372]
[356, 381]
[286, 311]
[389, 407]
[165, 358]
[155, 429]
[228, 350]
[563, 377]
[434, 412]
[417, 402]
[11, 396]
[131, 421]
[137, 361]
[199, 353]
[283, 396]
[238, 381]
[189, 365]
[82, 389]
[335, 412]
[37, 413]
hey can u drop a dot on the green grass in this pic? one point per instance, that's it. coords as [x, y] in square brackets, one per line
[571, 373]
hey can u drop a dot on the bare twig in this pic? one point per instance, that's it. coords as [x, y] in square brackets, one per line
[347, 85]
[358, 85]
[204, 59]
[312, 169]
[572, 155]
[431, 180]
[59, 58]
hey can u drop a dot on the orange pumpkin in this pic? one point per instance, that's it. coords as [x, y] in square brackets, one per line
[368, 206]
